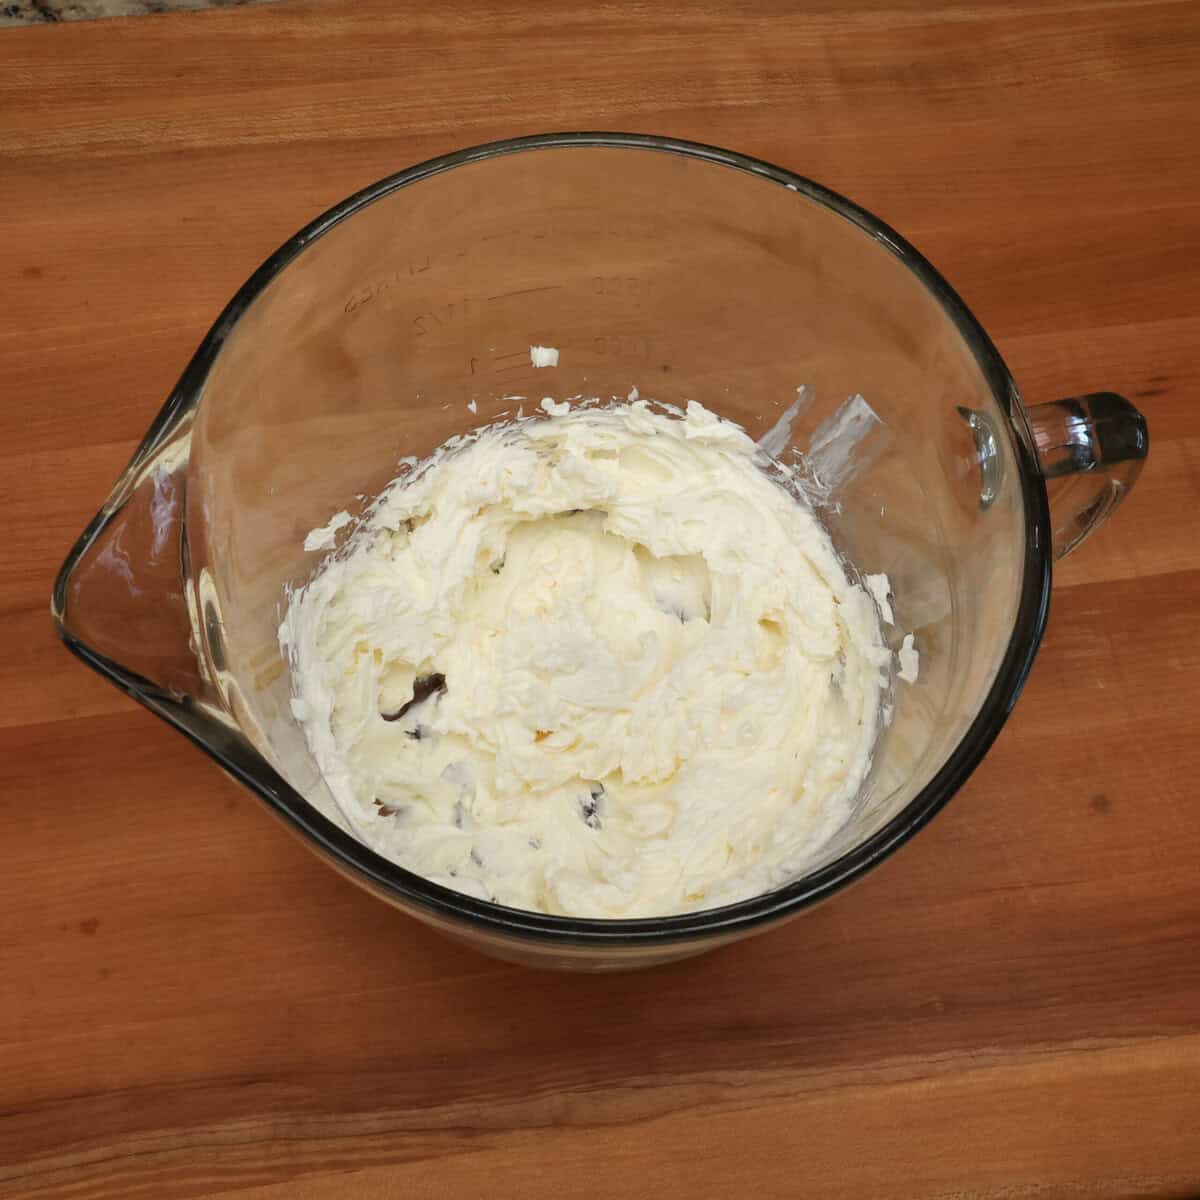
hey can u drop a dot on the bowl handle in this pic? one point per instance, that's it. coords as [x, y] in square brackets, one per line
[1091, 450]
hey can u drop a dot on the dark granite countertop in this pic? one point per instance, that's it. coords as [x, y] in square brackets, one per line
[47, 12]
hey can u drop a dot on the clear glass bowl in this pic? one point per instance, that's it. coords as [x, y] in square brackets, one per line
[686, 271]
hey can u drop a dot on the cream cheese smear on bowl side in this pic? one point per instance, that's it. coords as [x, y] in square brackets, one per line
[597, 662]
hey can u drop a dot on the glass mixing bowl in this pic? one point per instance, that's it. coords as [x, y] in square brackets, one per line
[686, 271]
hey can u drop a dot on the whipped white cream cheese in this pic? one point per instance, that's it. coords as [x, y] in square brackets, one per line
[600, 663]
[909, 659]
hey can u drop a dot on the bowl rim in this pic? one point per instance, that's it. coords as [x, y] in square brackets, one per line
[234, 753]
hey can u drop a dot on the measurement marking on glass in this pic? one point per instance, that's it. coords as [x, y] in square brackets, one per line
[550, 287]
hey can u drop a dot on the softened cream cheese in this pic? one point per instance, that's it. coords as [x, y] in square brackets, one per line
[602, 662]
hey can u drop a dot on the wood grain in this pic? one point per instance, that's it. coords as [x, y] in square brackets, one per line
[192, 1006]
